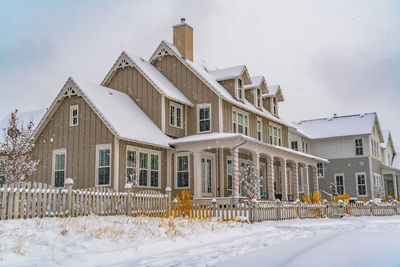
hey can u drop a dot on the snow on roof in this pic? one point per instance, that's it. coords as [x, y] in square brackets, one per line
[386, 135]
[125, 117]
[218, 88]
[225, 136]
[396, 159]
[256, 81]
[338, 126]
[227, 73]
[272, 90]
[24, 118]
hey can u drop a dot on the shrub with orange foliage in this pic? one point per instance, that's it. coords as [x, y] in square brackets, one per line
[184, 203]
[344, 197]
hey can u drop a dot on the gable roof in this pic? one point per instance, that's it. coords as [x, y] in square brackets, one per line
[211, 82]
[338, 126]
[396, 159]
[274, 90]
[24, 118]
[231, 73]
[387, 140]
[117, 110]
[159, 81]
[256, 82]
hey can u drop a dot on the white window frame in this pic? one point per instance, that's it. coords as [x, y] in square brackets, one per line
[274, 105]
[245, 121]
[176, 107]
[344, 183]
[297, 145]
[323, 169]
[278, 128]
[71, 117]
[259, 138]
[128, 148]
[365, 179]
[258, 100]
[357, 147]
[239, 89]
[149, 152]
[182, 154]
[59, 151]
[201, 106]
[98, 148]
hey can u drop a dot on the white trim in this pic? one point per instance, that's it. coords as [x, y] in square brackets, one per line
[220, 114]
[163, 113]
[344, 184]
[59, 151]
[100, 147]
[200, 106]
[300, 170]
[176, 107]
[209, 155]
[244, 126]
[365, 178]
[279, 137]
[259, 119]
[355, 147]
[323, 169]
[180, 154]
[71, 109]
[116, 162]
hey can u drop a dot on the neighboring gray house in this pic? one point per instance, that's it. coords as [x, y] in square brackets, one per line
[360, 154]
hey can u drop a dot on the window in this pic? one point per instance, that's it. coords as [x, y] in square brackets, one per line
[270, 134]
[258, 97]
[275, 135]
[359, 147]
[204, 118]
[339, 179]
[59, 163]
[182, 171]
[321, 170]
[229, 173]
[103, 165]
[240, 122]
[175, 115]
[234, 123]
[2, 176]
[274, 105]
[361, 184]
[259, 130]
[143, 168]
[73, 115]
[295, 146]
[154, 170]
[240, 89]
[131, 166]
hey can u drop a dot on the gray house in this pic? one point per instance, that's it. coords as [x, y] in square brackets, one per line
[362, 157]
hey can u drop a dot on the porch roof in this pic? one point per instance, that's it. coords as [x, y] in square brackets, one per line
[230, 136]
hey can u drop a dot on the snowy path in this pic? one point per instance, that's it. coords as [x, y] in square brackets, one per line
[364, 241]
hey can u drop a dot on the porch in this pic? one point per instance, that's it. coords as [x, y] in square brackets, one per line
[390, 179]
[217, 157]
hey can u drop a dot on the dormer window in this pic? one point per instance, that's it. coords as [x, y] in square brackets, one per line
[175, 115]
[275, 109]
[240, 89]
[258, 97]
[73, 115]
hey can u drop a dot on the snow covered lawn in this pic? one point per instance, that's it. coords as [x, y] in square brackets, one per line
[125, 241]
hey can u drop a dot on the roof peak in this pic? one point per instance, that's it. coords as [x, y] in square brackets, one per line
[335, 116]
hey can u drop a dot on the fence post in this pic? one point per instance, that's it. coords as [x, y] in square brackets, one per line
[168, 191]
[278, 209]
[128, 188]
[214, 207]
[69, 183]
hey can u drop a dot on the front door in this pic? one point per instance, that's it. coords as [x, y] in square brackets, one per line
[206, 176]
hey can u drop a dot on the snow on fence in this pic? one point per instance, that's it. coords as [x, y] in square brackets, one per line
[36, 200]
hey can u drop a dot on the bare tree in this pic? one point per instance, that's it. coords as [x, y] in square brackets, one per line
[18, 161]
[250, 180]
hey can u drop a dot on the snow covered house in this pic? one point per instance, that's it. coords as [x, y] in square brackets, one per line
[360, 154]
[169, 121]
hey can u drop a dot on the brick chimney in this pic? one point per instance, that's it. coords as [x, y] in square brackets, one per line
[183, 39]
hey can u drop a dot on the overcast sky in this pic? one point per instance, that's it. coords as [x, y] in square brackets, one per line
[329, 57]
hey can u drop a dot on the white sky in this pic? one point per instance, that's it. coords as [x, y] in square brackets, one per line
[329, 57]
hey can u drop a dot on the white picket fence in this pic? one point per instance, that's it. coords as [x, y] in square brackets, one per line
[36, 200]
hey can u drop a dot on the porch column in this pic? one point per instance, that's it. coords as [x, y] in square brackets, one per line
[256, 163]
[270, 178]
[306, 182]
[197, 174]
[235, 172]
[295, 181]
[395, 186]
[315, 178]
[284, 181]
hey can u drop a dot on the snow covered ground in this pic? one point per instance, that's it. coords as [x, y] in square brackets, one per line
[124, 241]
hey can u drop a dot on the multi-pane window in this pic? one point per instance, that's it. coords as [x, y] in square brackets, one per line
[321, 169]
[274, 105]
[73, 115]
[182, 171]
[131, 166]
[270, 134]
[339, 179]
[258, 97]
[294, 145]
[103, 165]
[361, 184]
[275, 135]
[240, 89]
[359, 147]
[59, 168]
[143, 168]
[259, 130]
[204, 118]
[154, 170]
[229, 173]
[240, 122]
[175, 115]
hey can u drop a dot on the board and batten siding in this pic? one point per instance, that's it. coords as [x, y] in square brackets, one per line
[192, 87]
[79, 141]
[131, 82]
[172, 130]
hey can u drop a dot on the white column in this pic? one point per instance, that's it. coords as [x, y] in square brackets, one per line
[256, 163]
[395, 186]
[306, 181]
[235, 172]
[221, 172]
[116, 163]
[169, 167]
[196, 174]
[270, 177]
[284, 180]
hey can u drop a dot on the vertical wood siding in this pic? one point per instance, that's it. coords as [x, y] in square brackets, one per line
[172, 130]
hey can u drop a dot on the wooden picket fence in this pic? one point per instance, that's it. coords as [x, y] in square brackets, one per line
[37, 200]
